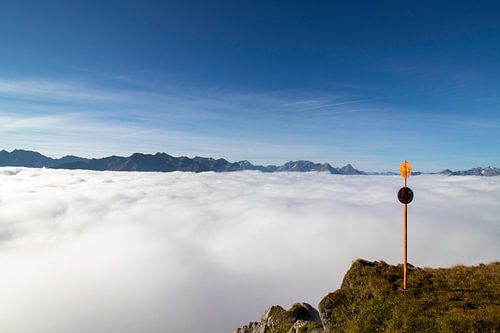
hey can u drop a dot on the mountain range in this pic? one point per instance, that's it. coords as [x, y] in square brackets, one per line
[162, 162]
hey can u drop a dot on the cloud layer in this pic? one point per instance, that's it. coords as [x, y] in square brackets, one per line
[181, 252]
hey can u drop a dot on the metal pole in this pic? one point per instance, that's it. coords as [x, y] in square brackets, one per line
[404, 282]
[405, 271]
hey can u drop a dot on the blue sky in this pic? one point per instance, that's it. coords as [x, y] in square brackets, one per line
[362, 82]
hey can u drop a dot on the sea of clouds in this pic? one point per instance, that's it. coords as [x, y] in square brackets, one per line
[84, 251]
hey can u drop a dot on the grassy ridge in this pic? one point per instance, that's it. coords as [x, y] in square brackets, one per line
[458, 299]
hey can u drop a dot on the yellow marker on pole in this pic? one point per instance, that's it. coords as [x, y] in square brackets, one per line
[405, 196]
[405, 170]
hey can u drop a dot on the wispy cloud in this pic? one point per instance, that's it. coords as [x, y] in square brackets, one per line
[44, 90]
[191, 121]
[265, 127]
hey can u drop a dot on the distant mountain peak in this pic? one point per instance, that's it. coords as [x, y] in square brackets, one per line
[32, 159]
[350, 170]
[446, 172]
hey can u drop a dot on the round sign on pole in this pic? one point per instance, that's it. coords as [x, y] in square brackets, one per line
[405, 169]
[405, 195]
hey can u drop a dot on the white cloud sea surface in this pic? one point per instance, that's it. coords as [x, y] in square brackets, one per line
[84, 251]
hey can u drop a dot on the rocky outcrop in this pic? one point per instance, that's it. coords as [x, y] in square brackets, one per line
[300, 318]
[371, 299]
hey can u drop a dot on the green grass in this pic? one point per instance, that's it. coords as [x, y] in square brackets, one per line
[458, 299]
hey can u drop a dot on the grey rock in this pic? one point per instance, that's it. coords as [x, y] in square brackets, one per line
[301, 317]
[305, 326]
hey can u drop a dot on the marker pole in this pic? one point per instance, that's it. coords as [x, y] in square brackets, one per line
[406, 216]
[405, 196]
[404, 281]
